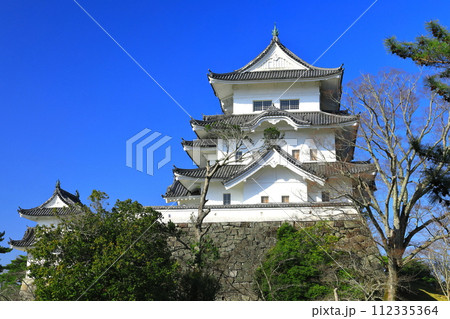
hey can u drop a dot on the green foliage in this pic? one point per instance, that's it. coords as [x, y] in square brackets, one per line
[437, 176]
[272, 135]
[308, 264]
[196, 285]
[292, 269]
[204, 253]
[123, 253]
[3, 250]
[432, 51]
[11, 280]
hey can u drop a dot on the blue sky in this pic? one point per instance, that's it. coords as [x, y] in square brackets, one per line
[70, 97]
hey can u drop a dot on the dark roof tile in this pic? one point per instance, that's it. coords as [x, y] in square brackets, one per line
[26, 241]
[55, 211]
[200, 143]
[72, 201]
[317, 118]
[177, 190]
[319, 169]
[243, 74]
[222, 173]
[274, 75]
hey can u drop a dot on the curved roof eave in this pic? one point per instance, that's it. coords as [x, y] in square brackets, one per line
[274, 42]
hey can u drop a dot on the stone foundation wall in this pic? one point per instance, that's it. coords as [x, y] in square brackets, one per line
[242, 247]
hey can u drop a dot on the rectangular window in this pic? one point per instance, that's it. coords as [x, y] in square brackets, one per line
[264, 199]
[296, 154]
[313, 154]
[289, 104]
[325, 196]
[226, 199]
[261, 105]
[238, 156]
[285, 199]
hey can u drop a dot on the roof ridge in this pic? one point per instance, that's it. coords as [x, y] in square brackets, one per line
[302, 118]
[275, 41]
[68, 198]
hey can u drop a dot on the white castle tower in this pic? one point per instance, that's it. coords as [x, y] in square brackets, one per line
[301, 178]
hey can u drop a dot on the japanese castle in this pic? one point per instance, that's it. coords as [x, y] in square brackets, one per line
[303, 177]
[60, 204]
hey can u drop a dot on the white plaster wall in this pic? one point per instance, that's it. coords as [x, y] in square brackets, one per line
[55, 202]
[303, 140]
[48, 222]
[262, 214]
[245, 94]
[275, 183]
[216, 191]
[276, 59]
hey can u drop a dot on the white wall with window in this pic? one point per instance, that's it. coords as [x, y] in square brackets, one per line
[319, 143]
[307, 94]
[274, 183]
[298, 142]
[217, 190]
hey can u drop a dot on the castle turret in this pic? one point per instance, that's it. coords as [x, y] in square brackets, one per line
[310, 168]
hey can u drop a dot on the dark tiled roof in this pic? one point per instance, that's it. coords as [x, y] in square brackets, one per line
[222, 172]
[330, 169]
[66, 197]
[26, 241]
[242, 74]
[200, 143]
[176, 190]
[256, 159]
[55, 211]
[72, 201]
[69, 197]
[262, 156]
[269, 205]
[319, 169]
[274, 75]
[300, 118]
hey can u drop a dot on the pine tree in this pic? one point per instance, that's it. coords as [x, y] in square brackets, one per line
[437, 174]
[3, 250]
[431, 51]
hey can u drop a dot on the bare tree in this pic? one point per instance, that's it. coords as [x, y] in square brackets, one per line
[231, 140]
[437, 256]
[392, 115]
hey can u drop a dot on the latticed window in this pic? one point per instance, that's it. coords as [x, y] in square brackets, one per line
[289, 104]
[226, 199]
[285, 199]
[261, 105]
[264, 199]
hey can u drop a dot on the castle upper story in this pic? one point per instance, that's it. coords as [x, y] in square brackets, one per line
[304, 163]
[278, 78]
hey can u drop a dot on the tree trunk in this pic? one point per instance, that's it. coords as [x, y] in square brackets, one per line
[392, 283]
